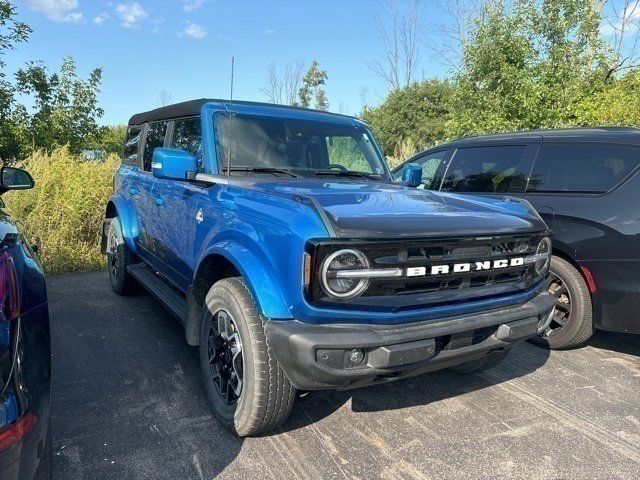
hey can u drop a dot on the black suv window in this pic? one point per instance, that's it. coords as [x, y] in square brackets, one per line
[187, 136]
[430, 164]
[130, 156]
[582, 168]
[487, 169]
[155, 139]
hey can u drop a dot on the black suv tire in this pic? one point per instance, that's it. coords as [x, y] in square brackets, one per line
[118, 259]
[265, 397]
[567, 285]
[489, 361]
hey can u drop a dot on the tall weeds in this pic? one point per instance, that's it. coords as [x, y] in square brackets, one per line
[63, 213]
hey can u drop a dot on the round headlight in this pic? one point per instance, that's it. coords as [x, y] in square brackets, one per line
[543, 252]
[349, 285]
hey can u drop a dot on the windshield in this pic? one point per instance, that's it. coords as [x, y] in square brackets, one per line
[307, 148]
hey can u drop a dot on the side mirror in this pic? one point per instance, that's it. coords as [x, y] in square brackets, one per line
[412, 174]
[12, 178]
[174, 164]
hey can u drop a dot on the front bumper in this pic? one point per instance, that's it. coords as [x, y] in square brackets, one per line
[317, 357]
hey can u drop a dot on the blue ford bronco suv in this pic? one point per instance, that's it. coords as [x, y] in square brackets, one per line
[277, 236]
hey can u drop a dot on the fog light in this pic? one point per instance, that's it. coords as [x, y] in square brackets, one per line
[356, 357]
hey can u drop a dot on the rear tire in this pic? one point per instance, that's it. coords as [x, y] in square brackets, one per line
[489, 361]
[119, 257]
[572, 322]
[246, 387]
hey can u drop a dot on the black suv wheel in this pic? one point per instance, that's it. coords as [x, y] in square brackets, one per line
[248, 391]
[572, 322]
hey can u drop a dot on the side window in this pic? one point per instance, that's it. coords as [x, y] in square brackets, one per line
[430, 164]
[346, 151]
[155, 139]
[187, 136]
[498, 169]
[582, 168]
[130, 155]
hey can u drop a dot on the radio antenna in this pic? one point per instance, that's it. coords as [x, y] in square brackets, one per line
[230, 123]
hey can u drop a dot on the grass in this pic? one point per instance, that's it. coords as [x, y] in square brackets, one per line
[63, 214]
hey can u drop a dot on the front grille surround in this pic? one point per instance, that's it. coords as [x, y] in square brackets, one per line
[414, 292]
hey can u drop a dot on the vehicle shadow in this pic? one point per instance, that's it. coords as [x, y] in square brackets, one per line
[627, 343]
[423, 390]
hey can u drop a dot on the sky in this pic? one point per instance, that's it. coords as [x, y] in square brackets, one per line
[184, 47]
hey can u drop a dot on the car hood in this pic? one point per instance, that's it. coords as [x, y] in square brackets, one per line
[378, 210]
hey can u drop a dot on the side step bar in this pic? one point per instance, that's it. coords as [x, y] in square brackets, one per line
[157, 286]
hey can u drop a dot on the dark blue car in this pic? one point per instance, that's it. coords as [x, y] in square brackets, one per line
[25, 350]
[277, 236]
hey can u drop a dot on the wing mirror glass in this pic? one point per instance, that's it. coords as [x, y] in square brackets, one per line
[412, 174]
[174, 164]
[12, 178]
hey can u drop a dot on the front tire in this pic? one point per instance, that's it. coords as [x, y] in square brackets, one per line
[246, 387]
[572, 322]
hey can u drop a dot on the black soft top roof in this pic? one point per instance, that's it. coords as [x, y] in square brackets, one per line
[193, 107]
[182, 109]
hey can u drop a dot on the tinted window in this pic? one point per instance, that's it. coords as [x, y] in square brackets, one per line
[430, 164]
[584, 168]
[487, 169]
[187, 136]
[130, 155]
[155, 139]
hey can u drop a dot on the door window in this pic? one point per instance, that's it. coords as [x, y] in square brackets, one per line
[155, 139]
[430, 164]
[130, 155]
[493, 169]
[187, 136]
[582, 168]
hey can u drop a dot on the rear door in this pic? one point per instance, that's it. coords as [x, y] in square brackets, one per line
[155, 134]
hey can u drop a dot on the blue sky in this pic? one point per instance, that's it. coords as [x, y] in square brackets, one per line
[184, 46]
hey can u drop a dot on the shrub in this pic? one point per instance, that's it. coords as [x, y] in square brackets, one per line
[63, 213]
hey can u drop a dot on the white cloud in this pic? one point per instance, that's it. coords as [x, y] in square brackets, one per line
[100, 18]
[56, 10]
[269, 32]
[194, 30]
[192, 5]
[131, 14]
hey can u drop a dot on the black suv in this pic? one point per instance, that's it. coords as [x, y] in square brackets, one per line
[584, 183]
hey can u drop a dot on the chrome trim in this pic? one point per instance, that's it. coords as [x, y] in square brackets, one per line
[370, 273]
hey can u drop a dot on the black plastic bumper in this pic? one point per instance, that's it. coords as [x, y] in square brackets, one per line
[318, 357]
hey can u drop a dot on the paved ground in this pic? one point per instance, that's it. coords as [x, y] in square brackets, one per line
[128, 404]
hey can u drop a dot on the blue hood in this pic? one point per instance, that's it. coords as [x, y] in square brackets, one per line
[379, 210]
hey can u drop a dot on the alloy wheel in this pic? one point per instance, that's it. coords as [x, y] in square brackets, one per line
[562, 312]
[225, 357]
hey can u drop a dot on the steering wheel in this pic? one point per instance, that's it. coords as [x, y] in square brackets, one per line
[337, 166]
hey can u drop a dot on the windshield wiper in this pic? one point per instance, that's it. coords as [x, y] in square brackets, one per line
[349, 173]
[263, 170]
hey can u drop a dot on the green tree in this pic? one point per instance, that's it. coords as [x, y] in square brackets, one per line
[65, 106]
[111, 138]
[313, 88]
[414, 115]
[529, 64]
[12, 32]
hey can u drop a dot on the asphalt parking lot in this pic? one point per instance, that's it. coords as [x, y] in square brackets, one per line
[127, 403]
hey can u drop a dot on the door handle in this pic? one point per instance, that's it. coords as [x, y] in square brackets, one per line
[133, 191]
[159, 202]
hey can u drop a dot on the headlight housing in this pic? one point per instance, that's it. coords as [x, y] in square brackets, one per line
[339, 274]
[542, 256]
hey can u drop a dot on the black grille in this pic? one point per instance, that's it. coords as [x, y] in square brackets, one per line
[409, 292]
